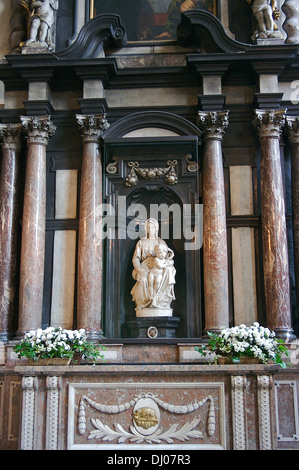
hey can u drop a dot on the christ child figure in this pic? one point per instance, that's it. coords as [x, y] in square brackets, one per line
[161, 261]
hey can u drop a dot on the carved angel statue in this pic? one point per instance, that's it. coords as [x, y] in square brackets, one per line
[265, 12]
[154, 273]
[41, 17]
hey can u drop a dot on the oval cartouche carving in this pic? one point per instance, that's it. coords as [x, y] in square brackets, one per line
[146, 416]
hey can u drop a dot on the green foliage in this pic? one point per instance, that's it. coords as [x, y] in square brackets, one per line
[246, 341]
[57, 342]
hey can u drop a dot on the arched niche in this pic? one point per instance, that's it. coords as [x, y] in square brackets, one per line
[152, 139]
[162, 121]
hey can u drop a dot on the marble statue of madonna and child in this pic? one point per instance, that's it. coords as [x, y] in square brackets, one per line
[154, 273]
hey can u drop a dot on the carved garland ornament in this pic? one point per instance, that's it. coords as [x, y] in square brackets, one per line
[170, 176]
[146, 419]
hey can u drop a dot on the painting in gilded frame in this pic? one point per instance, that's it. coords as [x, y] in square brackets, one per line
[150, 20]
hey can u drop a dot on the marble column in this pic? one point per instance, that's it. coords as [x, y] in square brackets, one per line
[9, 230]
[292, 128]
[38, 132]
[215, 262]
[89, 281]
[274, 234]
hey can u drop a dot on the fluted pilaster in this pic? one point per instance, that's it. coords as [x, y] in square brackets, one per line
[89, 304]
[215, 263]
[269, 126]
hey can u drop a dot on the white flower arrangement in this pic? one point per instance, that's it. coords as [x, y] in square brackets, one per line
[246, 341]
[57, 342]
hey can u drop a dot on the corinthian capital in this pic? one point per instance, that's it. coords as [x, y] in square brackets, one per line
[92, 126]
[38, 130]
[213, 124]
[10, 135]
[292, 129]
[269, 123]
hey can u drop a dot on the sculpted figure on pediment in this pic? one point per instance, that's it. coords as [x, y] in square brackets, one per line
[40, 23]
[265, 12]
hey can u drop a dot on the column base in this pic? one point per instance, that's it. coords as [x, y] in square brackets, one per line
[5, 337]
[153, 327]
[215, 331]
[95, 335]
[286, 334]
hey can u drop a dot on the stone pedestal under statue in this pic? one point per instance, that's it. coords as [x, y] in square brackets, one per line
[153, 327]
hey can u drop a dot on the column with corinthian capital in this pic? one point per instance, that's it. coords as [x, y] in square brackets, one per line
[89, 281]
[9, 213]
[215, 261]
[269, 125]
[38, 132]
[292, 128]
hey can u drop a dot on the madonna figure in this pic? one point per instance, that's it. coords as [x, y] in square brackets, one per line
[154, 273]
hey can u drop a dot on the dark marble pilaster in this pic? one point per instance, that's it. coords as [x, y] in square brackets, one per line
[292, 128]
[89, 296]
[38, 132]
[9, 212]
[215, 263]
[275, 250]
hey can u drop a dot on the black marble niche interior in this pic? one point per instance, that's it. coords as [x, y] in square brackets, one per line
[118, 307]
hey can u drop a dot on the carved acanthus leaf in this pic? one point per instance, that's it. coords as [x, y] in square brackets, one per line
[186, 432]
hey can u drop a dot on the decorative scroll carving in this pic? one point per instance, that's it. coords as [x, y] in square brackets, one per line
[264, 411]
[238, 402]
[170, 176]
[111, 168]
[191, 165]
[29, 385]
[93, 37]
[53, 390]
[203, 29]
[146, 419]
